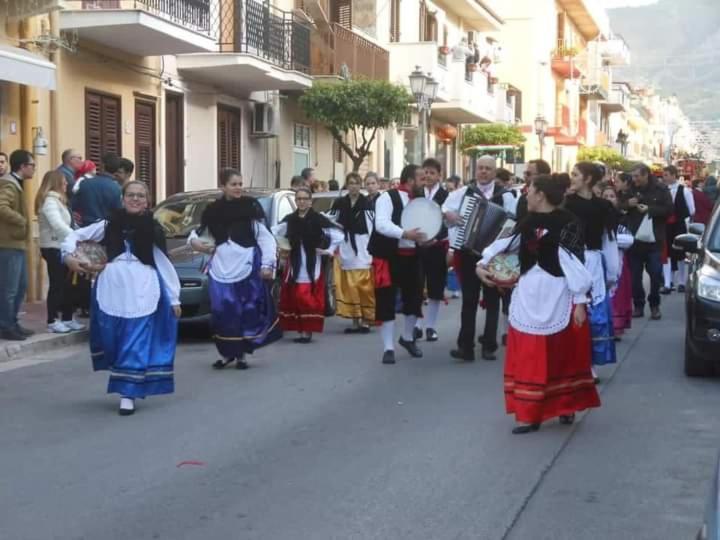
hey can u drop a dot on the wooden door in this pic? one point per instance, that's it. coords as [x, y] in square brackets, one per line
[102, 126]
[145, 162]
[174, 144]
[228, 138]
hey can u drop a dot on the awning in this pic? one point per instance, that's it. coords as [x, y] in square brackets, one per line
[23, 67]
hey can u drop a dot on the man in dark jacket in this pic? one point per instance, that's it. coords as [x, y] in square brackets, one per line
[98, 196]
[647, 198]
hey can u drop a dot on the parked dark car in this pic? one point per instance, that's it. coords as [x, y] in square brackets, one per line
[702, 297]
[179, 215]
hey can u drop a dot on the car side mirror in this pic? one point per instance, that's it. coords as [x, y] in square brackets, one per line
[697, 229]
[689, 243]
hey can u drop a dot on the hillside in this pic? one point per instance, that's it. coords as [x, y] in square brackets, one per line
[675, 47]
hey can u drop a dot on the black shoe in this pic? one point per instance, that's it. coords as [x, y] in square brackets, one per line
[431, 335]
[126, 412]
[364, 330]
[681, 288]
[417, 333]
[24, 331]
[504, 340]
[241, 364]
[303, 340]
[638, 313]
[527, 428]
[666, 290]
[488, 355]
[655, 314]
[388, 357]
[411, 347]
[223, 363]
[463, 355]
[12, 334]
[353, 330]
[567, 419]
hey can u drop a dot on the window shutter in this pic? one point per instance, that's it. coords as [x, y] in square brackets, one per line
[229, 144]
[395, 21]
[342, 13]
[111, 125]
[102, 126]
[145, 143]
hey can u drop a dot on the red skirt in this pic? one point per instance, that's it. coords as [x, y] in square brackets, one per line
[302, 306]
[622, 302]
[549, 376]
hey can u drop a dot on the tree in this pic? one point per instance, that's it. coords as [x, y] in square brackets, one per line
[358, 107]
[608, 156]
[492, 134]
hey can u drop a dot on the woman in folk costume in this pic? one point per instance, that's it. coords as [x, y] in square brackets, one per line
[244, 255]
[621, 294]
[302, 297]
[599, 222]
[135, 300]
[354, 284]
[547, 364]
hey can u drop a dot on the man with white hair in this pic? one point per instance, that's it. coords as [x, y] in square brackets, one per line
[484, 186]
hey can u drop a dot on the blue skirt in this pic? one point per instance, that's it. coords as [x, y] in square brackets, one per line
[138, 352]
[243, 314]
[603, 333]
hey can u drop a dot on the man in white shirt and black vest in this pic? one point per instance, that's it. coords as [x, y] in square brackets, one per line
[674, 269]
[484, 186]
[396, 264]
[433, 255]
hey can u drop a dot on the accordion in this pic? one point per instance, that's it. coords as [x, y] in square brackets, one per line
[483, 221]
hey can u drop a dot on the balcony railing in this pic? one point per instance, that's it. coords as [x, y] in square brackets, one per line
[344, 49]
[238, 26]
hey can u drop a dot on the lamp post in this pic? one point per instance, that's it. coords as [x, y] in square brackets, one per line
[540, 130]
[424, 89]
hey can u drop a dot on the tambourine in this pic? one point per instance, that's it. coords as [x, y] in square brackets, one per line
[91, 253]
[423, 214]
[504, 269]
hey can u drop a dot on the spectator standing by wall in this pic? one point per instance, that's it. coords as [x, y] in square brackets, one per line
[54, 220]
[13, 233]
[88, 169]
[703, 204]
[71, 162]
[3, 164]
[97, 197]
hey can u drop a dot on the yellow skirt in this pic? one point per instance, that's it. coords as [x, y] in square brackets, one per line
[354, 293]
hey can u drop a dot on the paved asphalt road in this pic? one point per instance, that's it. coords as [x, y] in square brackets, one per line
[323, 442]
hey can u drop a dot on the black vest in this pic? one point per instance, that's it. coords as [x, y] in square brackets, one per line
[440, 197]
[681, 211]
[381, 246]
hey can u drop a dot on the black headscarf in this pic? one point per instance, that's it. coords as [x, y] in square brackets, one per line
[306, 233]
[596, 216]
[141, 231]
[352, 218]
[561, 230]
[232, 219]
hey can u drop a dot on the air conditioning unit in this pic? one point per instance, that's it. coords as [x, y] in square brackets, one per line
[263, 121]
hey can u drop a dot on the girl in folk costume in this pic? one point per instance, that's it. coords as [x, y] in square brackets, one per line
[621, 294]
[547, 366]
[372, 186]
[598, 219]
[302, 297]
[135, 300]
[244, 255]
[354, 284]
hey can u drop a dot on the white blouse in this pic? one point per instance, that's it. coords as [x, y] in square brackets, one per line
[126, 287]
[336, 237]
[541, 303]
[349, 260]
[231, 262]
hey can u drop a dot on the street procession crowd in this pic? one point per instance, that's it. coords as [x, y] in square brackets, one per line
[561, 260]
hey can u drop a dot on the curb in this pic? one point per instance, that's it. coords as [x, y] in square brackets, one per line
[40, 343]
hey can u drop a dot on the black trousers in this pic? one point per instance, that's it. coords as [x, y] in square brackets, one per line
[405, 277]
[675, 255]
[471, 287]
[434, 270]
[58, 299]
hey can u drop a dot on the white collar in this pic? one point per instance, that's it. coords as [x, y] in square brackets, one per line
[429, 194]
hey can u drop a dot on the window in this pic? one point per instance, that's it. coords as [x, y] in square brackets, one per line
[395, 21]
[145, 144]
[228, 138]
[341, 12]
[102, 125]
[301, 136]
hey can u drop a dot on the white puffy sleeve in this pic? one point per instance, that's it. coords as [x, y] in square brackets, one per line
[689, 201]
[370, 220]
[611, 254]
[268, 245]
[383, 218]
[510, 203]
[280, 229]
[206, 238]
[579, 280]
[453, 201]
[91, 233]
[624, 238]
[509, 244]
[169, 276]
[336, 238]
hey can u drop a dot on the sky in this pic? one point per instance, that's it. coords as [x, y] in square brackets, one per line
[627, 3]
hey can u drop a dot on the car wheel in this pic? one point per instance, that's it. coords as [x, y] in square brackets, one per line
[694, 365]
[330, 290]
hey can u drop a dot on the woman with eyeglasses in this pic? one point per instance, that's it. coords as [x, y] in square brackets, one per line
[302, 297]
[135, 300]
[243, 259]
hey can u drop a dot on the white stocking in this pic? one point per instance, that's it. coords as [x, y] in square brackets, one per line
[432, 313]
[667, 274]
[387, 331]
[410, 321]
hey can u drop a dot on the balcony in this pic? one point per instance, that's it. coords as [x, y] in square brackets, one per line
[565, 62]
[260, 47]
[142, 27]
[617, 101]
[340, 51]
[597, 85]
[479, 14]
[615, 51]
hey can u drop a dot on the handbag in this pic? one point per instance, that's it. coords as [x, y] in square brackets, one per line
[645, 232]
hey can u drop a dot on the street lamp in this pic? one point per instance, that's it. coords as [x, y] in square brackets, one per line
[424, 89]
[540, 130]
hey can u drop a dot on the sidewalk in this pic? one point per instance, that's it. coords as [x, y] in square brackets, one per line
[33, 316]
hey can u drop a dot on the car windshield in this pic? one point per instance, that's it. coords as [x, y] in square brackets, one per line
[179, 216]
